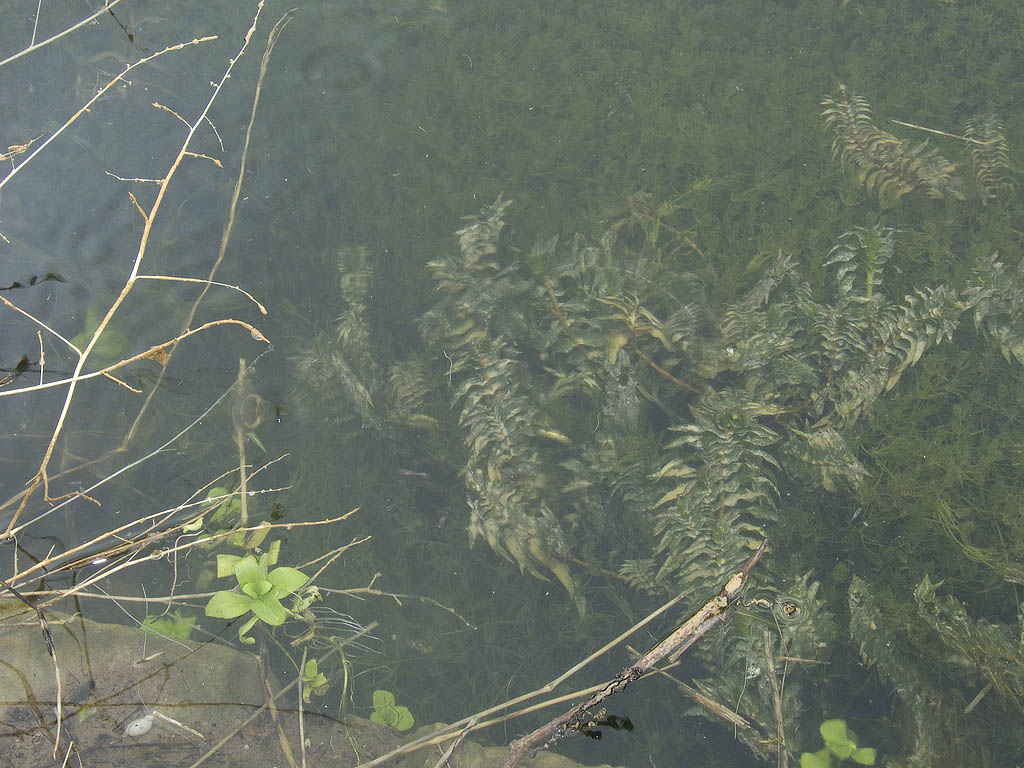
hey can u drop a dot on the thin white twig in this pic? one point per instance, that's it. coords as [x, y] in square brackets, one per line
[131, 465]
[35, 27]
[36, 46]
[302, 724]
[147, 354]
[85, 108]
[175, 278]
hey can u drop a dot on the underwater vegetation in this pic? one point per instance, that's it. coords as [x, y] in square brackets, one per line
[826, 356]
[599, 407]
[629, 401]
[386, 712]
[889, 167]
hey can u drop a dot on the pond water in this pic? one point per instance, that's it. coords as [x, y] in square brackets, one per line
[556, 404]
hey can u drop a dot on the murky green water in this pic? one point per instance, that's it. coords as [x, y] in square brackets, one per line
[692, 131]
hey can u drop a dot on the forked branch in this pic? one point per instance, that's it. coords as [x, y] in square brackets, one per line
[41, 476]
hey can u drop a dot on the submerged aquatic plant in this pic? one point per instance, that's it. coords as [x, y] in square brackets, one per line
[887, 166]
[175, 625]
[386, 712]
[602, 403]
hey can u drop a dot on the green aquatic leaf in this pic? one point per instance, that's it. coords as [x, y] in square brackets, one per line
[226, 565]
[315, 681]
[244, 629]
[311, 674]
[820, 759]
[863, 756]
[386, 713]
[837, 738]
[175, 625]
[833, 730]
[269, 609]
[273, 552]
[841, 749]
[259, 591]
[404, 719]
[248, 570]
[287, 580]
[110, 346]
[252, 539]
[195, 525]
[228, 605]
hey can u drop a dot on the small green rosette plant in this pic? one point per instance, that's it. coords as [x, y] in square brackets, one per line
[259, 590]
[386, 712]
[840, 746]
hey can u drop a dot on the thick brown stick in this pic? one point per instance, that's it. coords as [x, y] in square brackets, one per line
[712, 613]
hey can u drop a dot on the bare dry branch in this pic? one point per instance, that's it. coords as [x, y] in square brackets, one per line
[36, 46]
[233, 207]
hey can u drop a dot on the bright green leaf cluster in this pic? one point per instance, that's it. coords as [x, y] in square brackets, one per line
[385, 712]
[840, 745]
[313, 680]
[259, 590]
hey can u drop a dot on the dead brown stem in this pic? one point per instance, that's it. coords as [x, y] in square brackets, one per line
[712, 613]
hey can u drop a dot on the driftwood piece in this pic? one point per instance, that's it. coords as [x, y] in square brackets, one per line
[711, 614]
